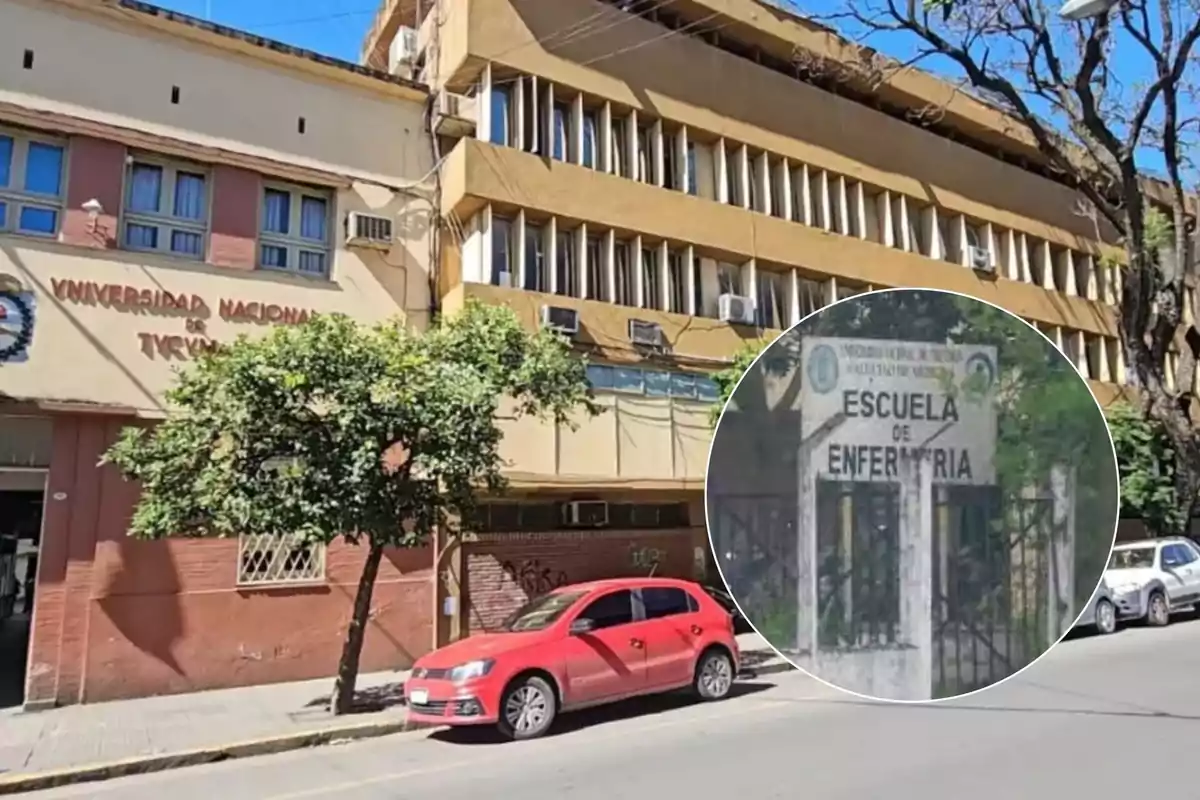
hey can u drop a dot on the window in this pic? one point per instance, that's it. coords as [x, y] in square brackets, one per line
[651, 285]
[31, 184]
[589, 139]
[770, 300]
[501, 123]
[697, 286]
[566, 275]
[631, 380]
[279, 559]
[541, 612]
[530, 120]
[620, 154]
[665, 601]
[624, 277]
[733, 178]
[561, 114]
[755, 184]
[536, 278]
[294, 233]
[691, 169]
[678, 289]
[728, 279]
[670, 162]
[166, 208]
[1172, 556]
[597, 284]
[642, 163]
[609, 611]
[502, 252]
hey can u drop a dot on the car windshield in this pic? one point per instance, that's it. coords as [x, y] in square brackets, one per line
[540, 612]
[1132, 558]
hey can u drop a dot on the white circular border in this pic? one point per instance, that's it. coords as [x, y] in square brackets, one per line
[717, 560]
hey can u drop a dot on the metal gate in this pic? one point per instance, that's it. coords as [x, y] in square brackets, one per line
[858, 565]
[991, 564]
[754, 542]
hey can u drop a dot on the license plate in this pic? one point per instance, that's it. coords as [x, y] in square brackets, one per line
[418, 697]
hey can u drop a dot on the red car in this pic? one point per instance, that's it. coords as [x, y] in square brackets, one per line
[579, 646]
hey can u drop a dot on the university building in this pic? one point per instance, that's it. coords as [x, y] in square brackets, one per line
[652, 179]
[201, 185]
[664, 183]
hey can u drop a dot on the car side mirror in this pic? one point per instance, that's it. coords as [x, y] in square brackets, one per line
[582, 625]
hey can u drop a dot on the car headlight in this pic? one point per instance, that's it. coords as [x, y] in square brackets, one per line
[471, 670]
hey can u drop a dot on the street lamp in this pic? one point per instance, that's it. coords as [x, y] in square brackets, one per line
[1078, 10]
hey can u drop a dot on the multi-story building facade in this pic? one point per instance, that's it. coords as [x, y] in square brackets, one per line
[659, 180]
[166, 184]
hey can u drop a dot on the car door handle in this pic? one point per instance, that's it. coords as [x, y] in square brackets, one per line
[697, 630]
[637, 644]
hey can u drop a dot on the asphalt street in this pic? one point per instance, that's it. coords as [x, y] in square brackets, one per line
[1098, 717]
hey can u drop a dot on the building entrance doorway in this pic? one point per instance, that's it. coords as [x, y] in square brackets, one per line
[20, 541]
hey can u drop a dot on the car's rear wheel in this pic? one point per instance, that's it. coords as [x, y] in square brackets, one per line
[527, 708]
[1106, 617]
[1158, 613]
[714, 675]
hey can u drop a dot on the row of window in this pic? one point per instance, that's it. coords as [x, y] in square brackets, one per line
[652, 383]
[508, 517]
[166, 208]
[532, 114]
[574, 259]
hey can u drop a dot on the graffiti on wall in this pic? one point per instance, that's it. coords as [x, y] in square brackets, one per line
[645, 557]
[533, 578]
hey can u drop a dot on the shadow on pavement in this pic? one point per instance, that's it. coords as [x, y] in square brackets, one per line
[627, 709]
[368, 701]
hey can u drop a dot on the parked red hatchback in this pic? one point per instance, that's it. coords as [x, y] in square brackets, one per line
[579, 646]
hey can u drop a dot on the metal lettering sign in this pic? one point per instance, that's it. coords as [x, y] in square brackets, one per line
[886, 400]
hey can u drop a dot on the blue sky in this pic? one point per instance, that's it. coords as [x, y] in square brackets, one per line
[332, 27]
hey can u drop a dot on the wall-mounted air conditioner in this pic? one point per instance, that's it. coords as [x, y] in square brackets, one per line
[585, 514]
[980, 259]
[646, 334]
[563, 320]
[368, 230]
[735, 308]
[402, 54]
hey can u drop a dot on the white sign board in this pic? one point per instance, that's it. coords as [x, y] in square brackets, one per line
[882, 401]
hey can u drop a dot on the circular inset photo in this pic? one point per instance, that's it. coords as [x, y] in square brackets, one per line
[912, 495]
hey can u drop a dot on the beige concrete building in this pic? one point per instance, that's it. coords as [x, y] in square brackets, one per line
[166, 184]
[663, 183]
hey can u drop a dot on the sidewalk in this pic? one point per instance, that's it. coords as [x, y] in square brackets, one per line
[85, 742]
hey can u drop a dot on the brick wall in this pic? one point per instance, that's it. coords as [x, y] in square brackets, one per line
[506, 569]
[115, 617]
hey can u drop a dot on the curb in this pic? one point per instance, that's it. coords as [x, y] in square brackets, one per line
[770, 668]
[158, 762]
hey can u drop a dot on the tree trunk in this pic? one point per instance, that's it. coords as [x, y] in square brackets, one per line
[347, 674]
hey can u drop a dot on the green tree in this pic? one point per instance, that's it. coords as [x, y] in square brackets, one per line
[727, 379]
[1098, 98]
[1146, 461]
[332, 430]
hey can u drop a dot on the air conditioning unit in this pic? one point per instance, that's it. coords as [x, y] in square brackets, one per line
[646, 334]
[368, 230]
[402, 54]
[979, 259]
[563, 320]
[585, 514]
[735, 308]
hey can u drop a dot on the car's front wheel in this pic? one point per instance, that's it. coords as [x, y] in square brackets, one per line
[527, 708]
[714, 675]
[1158, 613]
[1106, 617]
